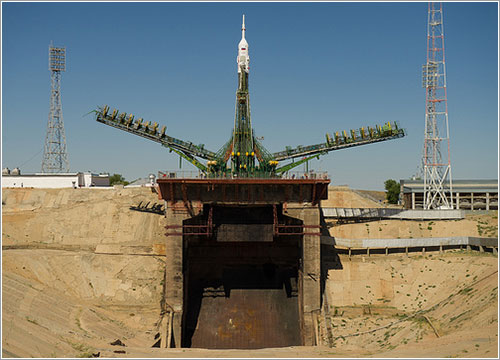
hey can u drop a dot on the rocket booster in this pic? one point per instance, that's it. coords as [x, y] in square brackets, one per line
[243, 60]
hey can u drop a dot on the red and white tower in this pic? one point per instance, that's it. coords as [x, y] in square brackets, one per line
[436, 157]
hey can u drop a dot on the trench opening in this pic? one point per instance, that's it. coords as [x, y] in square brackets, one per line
[242, 283]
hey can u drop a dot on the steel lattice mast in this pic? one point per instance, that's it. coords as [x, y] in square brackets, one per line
[436, 158]
[55, 157]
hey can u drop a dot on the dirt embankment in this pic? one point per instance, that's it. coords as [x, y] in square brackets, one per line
[69, 303]
[434, 306]
[70, 300]
[85, 217]
[60, 296]
[345, 197]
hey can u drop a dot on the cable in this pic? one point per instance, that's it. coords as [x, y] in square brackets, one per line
[24, 163]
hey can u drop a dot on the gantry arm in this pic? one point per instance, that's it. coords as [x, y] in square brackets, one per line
[292, 165]
[149, 131]
[357, 137]
[191, 159]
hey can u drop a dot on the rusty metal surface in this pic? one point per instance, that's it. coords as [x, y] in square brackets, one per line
[241, 191]
[248, 319]
[245, 233]
[276, 181]
[242, 294]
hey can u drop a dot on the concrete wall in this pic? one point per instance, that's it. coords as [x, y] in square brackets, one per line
[389, 213]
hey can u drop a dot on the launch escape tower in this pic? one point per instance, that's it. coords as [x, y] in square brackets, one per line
[436, 158]
[55, 157]
[247, 157]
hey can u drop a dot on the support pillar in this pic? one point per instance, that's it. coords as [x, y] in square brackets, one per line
[413, 201]
[174, 274]
[487, 201]
[458, 200]
[310, 272]
[472, 201]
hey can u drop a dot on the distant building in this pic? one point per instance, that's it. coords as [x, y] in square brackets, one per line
[143, 182]
[467, 194]
[90, 179]
[14, 178]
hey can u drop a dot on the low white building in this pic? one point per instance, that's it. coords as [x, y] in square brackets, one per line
[14, 178]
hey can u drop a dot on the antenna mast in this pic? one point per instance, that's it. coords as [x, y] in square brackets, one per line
[436, 160]
[55, 157]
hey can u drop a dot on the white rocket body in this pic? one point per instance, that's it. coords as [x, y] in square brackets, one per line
[243, 60]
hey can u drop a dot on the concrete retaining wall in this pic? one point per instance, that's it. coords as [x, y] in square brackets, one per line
[403, 243]
[388, 213]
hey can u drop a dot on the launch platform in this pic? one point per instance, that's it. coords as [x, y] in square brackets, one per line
[243, 259]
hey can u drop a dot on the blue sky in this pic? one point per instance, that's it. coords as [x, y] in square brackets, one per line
[314, 68]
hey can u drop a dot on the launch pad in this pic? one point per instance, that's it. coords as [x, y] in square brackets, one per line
[243, 266]
[242, 261]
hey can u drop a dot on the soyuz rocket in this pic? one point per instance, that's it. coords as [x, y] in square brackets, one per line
[242, 155]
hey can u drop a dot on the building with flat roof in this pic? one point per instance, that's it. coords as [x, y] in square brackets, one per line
[467, 194]
[14, 178]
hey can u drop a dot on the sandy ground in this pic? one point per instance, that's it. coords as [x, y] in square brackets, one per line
[343, 196]
[62, 298]
[377, 309]
[419, 305]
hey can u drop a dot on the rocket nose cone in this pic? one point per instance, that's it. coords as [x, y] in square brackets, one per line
[243, 44]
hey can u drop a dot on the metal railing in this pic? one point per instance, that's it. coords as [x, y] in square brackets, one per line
[344, 139]
[290, 175]
[151, 131]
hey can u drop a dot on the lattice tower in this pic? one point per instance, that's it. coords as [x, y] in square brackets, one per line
[436, 155]
[55, 157]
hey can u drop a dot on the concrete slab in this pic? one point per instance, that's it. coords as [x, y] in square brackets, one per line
[389, 213]
[416, 242]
